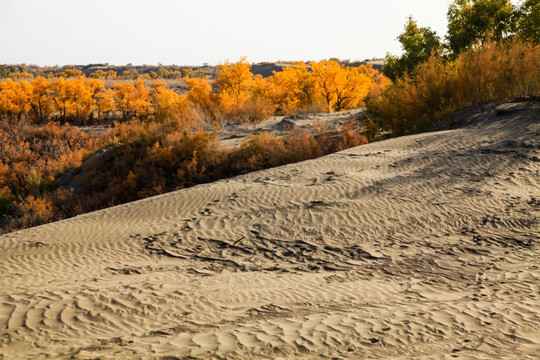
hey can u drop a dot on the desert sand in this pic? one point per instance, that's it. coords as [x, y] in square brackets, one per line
[424, 246]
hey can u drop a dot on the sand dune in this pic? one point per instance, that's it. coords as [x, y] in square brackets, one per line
[424, 246]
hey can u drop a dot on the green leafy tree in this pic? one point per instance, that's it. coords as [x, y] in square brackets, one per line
[419, 44]
[6, 70]
[527, 17]
[472, 22]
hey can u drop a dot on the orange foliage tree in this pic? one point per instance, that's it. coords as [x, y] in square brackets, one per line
[379, 82]
[132, 100]
[293, 88]
[67, 73]
[105, 103]
[21, 75]
[41, 104]
[166, 103]
[75, 98]
[234, 83]
[14, 98]
[240, 96]
[340, 87]
[202, 101]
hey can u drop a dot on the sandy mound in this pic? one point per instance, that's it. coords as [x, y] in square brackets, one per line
[233, 134]
[285, 125]
[424, 246]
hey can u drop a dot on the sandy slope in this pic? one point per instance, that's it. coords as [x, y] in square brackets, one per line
[425, 246]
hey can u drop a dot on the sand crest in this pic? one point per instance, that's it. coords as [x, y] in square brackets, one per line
[424, 246]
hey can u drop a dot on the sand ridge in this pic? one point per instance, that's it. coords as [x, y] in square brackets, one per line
[424, 246]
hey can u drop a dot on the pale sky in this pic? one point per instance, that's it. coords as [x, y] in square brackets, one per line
[62, 32]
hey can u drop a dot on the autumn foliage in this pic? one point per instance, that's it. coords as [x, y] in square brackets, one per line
[81, 100]
[235, 94]
[439, 88]
[324, 85]
[31, 159]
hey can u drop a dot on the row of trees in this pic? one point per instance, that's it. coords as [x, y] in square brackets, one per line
[240, 95]
[19, 72]
[74, 99]
[324, 85]
[471, 23]
[160, 73]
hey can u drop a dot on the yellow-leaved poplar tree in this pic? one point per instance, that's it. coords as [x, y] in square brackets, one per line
[340, 87]
[234, 83]
[165, 102]
[40, 102]
[293, 88]
[14, 98]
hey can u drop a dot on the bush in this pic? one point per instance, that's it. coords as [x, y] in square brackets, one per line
[301, 146]
[256, 109]
[258, 152]
[32, 158]
[349, 136]
[32, 211]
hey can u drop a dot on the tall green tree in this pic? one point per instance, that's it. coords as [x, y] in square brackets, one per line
[418, 43]
[472, 22]
[527, 17]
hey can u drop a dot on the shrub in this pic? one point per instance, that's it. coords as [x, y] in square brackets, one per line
[349, 136]
[301, 146]
[32, 211]
[258, 152]
[250, 110]
[32, 157]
